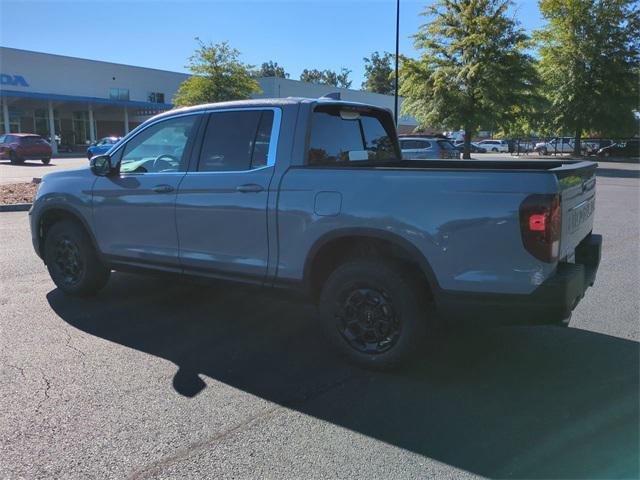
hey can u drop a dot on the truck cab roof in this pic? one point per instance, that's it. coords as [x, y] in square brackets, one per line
[269, 102]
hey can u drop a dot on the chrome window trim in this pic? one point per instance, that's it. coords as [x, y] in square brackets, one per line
[229, 171]
[273, 139]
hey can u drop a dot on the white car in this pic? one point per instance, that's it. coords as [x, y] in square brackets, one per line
[494, 145]
[556, 145]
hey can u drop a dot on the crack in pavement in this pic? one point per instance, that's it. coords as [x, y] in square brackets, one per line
[76, 349]
[20, 369]
[47, 387]
[157, 466]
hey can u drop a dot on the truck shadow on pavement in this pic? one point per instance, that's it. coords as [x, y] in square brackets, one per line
[534, 402]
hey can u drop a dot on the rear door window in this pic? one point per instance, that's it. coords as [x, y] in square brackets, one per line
[236, 141]
[341, 135]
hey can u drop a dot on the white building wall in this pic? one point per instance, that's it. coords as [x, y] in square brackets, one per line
[60, 75]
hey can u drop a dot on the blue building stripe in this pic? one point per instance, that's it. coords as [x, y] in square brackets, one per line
[96, 100]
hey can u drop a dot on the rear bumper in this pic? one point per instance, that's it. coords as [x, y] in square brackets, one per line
[551, 302]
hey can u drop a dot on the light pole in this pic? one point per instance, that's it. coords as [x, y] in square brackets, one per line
[395, 87]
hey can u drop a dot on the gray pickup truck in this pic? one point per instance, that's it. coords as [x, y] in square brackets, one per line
[313, 195]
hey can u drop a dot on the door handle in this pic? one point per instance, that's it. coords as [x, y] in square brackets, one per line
[163, 188]
[250, 188]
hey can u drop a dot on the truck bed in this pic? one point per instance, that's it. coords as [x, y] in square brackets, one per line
[560, 167]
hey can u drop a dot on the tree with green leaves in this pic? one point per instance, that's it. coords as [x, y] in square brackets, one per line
[378, 73]
[473, 68]
[327, 77]
[590, 65]
[218, 76]
[271, 69]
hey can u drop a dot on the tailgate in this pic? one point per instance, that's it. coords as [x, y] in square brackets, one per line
[577, 184]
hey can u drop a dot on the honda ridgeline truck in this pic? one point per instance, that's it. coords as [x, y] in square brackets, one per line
[313, 195]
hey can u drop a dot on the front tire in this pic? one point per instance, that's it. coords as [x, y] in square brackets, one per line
[494, 150]
[72, 261]
[375, 313]
[45, 161]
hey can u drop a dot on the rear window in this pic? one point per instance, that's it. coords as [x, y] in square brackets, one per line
[32, 140]
[341, 135]
[446, 145]
[414, 144]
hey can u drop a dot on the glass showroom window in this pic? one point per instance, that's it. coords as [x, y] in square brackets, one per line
[81, 127]
[41, 122]
[14, 122]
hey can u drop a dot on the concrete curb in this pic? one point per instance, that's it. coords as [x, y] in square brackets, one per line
[16, 207]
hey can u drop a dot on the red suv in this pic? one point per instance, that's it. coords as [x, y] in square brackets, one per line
[19, 147]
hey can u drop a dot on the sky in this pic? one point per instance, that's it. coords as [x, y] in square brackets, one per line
[160, 34]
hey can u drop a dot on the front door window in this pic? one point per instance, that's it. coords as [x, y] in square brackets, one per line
[159, 148]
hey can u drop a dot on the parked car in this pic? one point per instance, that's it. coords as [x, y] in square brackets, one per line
[102, 146]
[630, 148]
[313, 195]
[475, 148]
[522, 146]
[494, 145]
[19, 147]
[420, 148]
[555, 145]
[591, 146]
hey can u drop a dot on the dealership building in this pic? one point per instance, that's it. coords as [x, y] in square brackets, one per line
[78, 101]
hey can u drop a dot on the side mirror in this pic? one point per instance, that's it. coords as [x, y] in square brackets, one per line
[101, 165]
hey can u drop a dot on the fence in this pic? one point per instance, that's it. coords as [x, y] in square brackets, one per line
[558, 145]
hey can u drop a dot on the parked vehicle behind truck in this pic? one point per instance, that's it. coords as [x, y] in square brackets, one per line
[18, 147]
[421, 148]
[313, 195]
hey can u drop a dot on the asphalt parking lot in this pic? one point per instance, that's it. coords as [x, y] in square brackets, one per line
[33, 168]
[154, 378]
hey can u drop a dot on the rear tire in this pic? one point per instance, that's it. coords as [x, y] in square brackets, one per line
[15, 159]
[45, 161]
[72, 261]
[494, 150]
[375, 313]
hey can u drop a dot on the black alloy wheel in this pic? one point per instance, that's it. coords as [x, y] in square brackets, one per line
[367, 320]
[72, 260]
[376, 312]
[68, 261]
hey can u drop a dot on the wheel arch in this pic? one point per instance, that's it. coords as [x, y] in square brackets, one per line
[57, 213]
[335, 247]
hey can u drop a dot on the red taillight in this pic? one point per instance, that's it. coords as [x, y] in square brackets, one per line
[537, 222]
[541, 226]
